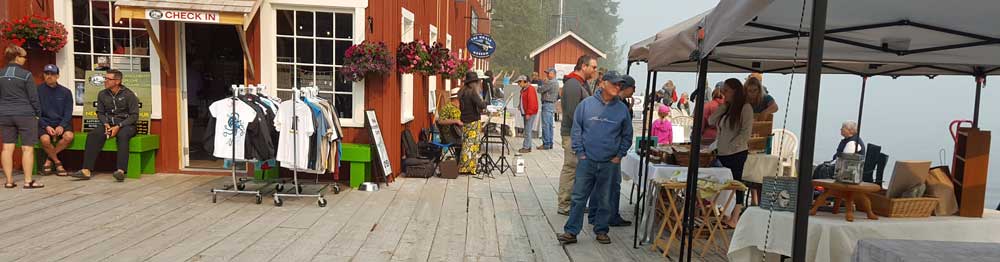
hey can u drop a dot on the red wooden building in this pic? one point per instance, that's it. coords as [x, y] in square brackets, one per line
[278, 43]
[562, 52]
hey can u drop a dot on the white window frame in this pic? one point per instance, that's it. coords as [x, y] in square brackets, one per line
[447, 82]
[406, 80]
[432, 80]
[63, 12]
[268, 16]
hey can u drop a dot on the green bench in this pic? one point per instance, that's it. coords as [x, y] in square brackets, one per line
[360, 157]
[141, 159]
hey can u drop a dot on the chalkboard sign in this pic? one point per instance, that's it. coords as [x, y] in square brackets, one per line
[376, 135]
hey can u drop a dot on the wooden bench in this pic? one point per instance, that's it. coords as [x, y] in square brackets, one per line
[142, 153]
[360, 157]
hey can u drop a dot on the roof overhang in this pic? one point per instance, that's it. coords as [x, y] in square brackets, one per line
[568, 34]
[228, 12]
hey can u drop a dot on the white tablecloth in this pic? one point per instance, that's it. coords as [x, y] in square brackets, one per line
[895, 250]
[665, 173]
[760, 165]
[831, 238]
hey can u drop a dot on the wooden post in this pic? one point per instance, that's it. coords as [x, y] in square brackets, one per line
[246, 51]
[155, 40]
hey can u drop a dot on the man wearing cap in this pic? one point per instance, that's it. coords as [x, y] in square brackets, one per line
[601, 137]
[614, 195]
[529, 111]
[54, 124]
[449, 119]
[549, 92]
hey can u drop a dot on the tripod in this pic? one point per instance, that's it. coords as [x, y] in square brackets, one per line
[486, 162]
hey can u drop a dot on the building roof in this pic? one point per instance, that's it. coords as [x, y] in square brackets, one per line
[563, 37]
[235, 6]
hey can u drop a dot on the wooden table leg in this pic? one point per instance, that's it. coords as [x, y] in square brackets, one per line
[820, 201]
[849, 203]
[867, 205]
[837, 202]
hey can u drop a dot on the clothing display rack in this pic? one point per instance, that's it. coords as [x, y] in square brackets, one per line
[238, 185]
[296, 185]
[486, 162]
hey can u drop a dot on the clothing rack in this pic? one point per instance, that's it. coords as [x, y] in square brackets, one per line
[298, 188]
[238, 185]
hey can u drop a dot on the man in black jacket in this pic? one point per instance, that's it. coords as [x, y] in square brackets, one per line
[118, 110]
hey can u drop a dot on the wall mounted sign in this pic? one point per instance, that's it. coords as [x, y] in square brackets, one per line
[182, 15]
[379, 143]
[481, 46]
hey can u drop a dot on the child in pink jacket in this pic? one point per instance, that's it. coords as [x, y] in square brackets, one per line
[662, 128]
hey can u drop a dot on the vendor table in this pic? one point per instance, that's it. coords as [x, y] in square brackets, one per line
[833, 239]
[659, 174]
[891, 250]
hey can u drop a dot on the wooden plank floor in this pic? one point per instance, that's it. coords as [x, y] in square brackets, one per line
[168, 217]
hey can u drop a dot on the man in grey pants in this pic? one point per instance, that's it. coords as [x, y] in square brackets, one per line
[574, 91]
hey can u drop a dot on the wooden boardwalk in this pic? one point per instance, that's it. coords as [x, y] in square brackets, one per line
[168, 217]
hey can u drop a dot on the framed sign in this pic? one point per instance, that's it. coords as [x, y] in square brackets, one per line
[376, 135]
[481, 46]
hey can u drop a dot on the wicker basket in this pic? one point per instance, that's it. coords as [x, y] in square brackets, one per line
[902, 207]
[684, 158]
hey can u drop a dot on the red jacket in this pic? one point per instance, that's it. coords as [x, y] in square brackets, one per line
[529, 101]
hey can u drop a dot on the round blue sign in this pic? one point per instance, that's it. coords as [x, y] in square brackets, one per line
[481, 46]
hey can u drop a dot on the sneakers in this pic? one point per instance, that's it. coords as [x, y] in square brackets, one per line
[623, 223]
[567, 238]
[81, 175]
[543, 148]
[524, 150]
[119, 175]
[603, 239]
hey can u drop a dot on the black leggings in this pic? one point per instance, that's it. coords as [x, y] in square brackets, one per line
[735, 163]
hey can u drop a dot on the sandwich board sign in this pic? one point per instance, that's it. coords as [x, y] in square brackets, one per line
[376, 135]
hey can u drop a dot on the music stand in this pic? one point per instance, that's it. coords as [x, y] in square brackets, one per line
[486, 162]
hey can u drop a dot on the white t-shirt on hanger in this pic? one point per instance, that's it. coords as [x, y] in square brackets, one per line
[231, 127]
[287, 150]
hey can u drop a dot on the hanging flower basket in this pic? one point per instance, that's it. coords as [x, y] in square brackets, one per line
[414, 57]
[462, 66]
[366, 59]
[33, 32]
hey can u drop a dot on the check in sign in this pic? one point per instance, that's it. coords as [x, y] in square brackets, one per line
[182, 15]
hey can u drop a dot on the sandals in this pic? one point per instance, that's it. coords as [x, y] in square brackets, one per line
[46, 169]
[32, 185]
[59, 170]
[10, 185]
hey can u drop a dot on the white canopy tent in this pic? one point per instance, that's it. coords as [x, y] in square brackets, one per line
[860, 37]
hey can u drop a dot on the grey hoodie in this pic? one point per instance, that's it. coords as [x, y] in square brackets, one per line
[18, 94]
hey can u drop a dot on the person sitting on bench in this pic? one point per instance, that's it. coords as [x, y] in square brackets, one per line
[118, 109]
[55, 122]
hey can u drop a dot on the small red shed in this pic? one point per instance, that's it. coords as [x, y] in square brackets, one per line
[562, 52]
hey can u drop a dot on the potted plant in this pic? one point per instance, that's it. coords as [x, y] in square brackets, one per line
[414, 57]
[366, 59]
[35, 32]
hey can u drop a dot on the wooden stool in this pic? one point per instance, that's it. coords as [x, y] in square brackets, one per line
[845, 194]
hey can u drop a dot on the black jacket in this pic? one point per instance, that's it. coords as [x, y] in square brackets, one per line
[18, 95]
[471, 105]
[117, 110]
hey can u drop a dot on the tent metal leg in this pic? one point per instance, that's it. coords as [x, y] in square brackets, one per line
[687, 235]
[810, 107]
[638, 181]
[979, 93]
[861, 105]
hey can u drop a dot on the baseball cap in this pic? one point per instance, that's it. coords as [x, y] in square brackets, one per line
[613, 76]
[550, 70]
[520, 78]
[628, 81]
[50, 68]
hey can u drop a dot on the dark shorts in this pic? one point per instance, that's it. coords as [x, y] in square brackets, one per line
[25, 127]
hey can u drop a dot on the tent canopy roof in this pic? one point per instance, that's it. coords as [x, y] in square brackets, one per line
[888, 37]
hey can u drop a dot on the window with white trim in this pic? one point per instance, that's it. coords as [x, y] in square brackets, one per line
[406, 80]
[100, 43]
[447, 43]
[432, 80]
[310, 48]
[475, 22]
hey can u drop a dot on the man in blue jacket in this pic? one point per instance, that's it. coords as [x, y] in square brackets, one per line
[601, 135]
[55, 122]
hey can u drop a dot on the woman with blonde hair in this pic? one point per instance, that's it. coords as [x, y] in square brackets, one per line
[761, 102]
[19, 111]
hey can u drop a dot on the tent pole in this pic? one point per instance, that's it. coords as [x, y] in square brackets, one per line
[647, 132]
[642, 159]
[808, 142]
[861, 106]
[979, 92]
[628, 68]
[692, 175]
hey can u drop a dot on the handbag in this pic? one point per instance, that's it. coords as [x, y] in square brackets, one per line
[826, 170]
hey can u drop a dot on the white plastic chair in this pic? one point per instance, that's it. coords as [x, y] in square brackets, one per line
[785, 145]
[686, 121]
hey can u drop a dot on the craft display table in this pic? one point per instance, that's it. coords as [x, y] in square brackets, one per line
[846, 194]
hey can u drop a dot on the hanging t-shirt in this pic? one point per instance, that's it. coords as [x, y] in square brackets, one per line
[231, 127]
[294, 144]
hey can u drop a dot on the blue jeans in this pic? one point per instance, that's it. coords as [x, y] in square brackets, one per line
[614, 199]
[548, 120]
[529, 128]
[593, 179]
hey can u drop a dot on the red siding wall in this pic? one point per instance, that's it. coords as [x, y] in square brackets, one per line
[563, 52]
